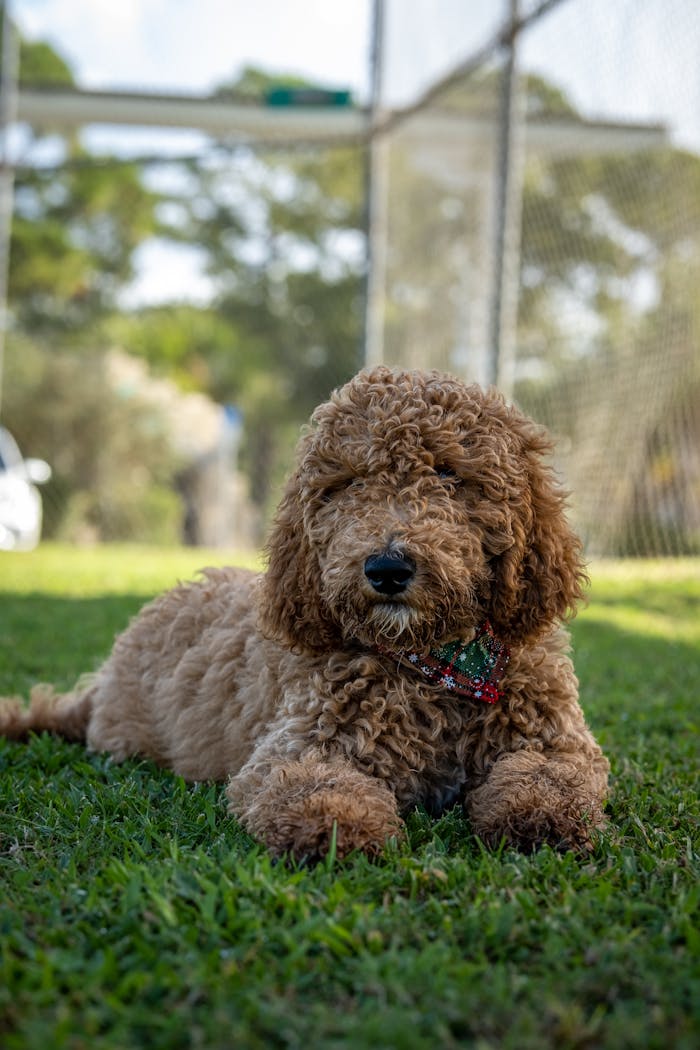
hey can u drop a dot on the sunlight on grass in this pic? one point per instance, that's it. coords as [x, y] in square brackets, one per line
[129, 569]
[659, 599]
[652, 570]
[641, 621]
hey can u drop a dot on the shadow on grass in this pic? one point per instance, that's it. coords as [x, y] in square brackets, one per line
[639, 691]
[51, 639]
[625, 675]
[634, 673]
[620, 670]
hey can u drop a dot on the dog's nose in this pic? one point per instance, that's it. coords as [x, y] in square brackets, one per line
[389, 574]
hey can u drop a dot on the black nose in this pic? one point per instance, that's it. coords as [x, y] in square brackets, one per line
[389, 574]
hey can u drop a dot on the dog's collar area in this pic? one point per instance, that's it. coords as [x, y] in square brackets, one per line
[472, 669]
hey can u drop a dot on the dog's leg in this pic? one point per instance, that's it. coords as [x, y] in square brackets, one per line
[297, 807]
[530, 798]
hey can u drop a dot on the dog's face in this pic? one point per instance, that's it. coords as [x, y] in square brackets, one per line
[419, 507]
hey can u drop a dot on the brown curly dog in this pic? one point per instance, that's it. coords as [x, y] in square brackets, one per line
[404, 646]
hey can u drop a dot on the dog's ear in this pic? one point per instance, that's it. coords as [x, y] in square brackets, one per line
[290, 608]
[540, 578]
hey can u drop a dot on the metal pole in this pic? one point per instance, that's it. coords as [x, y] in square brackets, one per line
[507, 218]
[376, 187]
[8, 112]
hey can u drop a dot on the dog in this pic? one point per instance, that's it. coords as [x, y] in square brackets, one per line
[404, 648]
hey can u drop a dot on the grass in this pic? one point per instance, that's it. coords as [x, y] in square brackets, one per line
[135, 913]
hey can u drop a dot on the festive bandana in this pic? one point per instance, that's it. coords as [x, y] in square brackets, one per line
[472, 669]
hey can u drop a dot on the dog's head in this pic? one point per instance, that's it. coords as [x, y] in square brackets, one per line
[419, 507]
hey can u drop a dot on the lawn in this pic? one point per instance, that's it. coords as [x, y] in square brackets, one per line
[135, 913]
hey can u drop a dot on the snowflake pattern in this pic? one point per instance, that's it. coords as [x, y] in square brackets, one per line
[473, 669]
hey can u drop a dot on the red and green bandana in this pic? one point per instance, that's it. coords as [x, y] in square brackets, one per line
[473, 669]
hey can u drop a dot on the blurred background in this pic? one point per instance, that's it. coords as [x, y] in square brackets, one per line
[212, 213]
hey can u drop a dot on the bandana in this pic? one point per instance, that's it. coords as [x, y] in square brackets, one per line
[473, 669]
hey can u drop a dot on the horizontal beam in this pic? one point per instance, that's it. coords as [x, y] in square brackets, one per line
[544, 135]
[215, 116]
[253, 123]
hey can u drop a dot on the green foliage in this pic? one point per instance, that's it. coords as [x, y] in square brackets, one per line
[253, 83]
[285, 326]
[282, 234]
[546, 99]
[40, 64]
[75, 227]
[195, 346]
[110, 451]
[289, 295]
[73, 239]
[121, 511]
[135, 911]
[288, 299]
[480, 92]
[592, 224]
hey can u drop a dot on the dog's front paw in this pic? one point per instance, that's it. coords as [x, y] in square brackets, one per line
[306, 806]
[529, 799]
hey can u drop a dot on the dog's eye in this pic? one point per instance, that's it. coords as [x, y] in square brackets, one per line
[335, 489]
[328, 493]
[447, 474]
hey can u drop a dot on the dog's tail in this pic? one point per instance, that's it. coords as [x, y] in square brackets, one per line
[65, 714]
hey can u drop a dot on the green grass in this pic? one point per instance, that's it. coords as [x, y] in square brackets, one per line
[135, 913]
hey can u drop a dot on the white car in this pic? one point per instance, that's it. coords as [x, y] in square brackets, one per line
[20, 502]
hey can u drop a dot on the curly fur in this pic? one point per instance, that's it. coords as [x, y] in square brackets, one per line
[279, 683]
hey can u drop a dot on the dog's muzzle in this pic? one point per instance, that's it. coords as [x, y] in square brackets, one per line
[389, 574]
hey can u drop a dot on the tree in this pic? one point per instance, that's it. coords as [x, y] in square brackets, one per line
[73, 238]
[284, 324]
[112, 461]
[608, 322]
[76, 222]
[282, 232]
[75, 227]
[611, 249]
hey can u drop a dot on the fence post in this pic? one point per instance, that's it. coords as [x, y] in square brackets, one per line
[8, 112]
[376, 195]
[508, 212]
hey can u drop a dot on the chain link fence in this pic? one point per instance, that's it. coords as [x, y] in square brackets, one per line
[538, 225]
[533, 221]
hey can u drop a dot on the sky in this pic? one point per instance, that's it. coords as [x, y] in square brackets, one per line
[631, 59]
[191, 45]
[634, 58]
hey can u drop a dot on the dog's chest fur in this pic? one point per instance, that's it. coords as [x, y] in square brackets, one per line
[421, 740]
